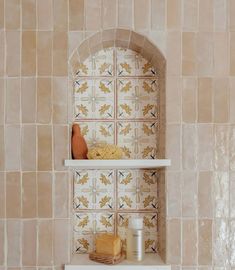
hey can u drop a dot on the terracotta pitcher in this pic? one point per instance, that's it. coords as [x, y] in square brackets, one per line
[78, 143]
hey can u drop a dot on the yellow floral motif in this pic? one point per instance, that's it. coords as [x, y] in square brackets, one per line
[82, 88]
[147, 130]
[104, 108]
[126, 88]
[83, 68]
[146, 67]
[104, 180]
[84, 131]
[84, 243]
[83, 222]
[104, 67]
[104, 88]
[83, 180]
[83, 200]
[83, 109]
[104, 131]
[105, 222]
[127, 179]
[147, 88]
[126, 130]
[127, 200]
[126, 66]
[148, 200]
[126, 108]
[147, 151]
[148, 243]
[147, 108]
[148, 223]
[104, 201]
[126, 151]
[124, 223]
[147, 179]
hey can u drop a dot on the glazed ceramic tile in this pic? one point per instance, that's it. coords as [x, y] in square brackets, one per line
[99, 64]
[138, 139]
[130, 63]
[137, 190]
[98, 132]
[137, 98]
[150, 228]
[94, 99]
[87, 225]
[94, 189]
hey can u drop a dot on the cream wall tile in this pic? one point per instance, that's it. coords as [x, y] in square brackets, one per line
[44, 146]
[12, 148]
[141, 15]
[13, 43]
[12, 101]
[1, 14]
[45, 243]
[28, 14]
[2, 52]
[189, 242]
[44, 194]
[173, 14]
[232, 53]
[173, 241]
[221, 54]
[189, 53]
[29, 195]
[28, 100]
[232, 100]
[231, 13]
[158, 11]
[76, 15]
[159, 40]
[2, 148]
[14, 243]
[2, 196]
[205, 100]
[75, 38]
[45, 15]
[60, 12]
[190, 15]
[28, 148]
[232, 194]
[29, 242]
[109, 13]
[232, 148]
[232, 242]
[28, 53]
[205, 15]
[125, 13]
[12, 14]
[93, 14]
[173, 53]
[2, 242]
[205, 200]
[220, 15]
[205, 242]
[205, 147]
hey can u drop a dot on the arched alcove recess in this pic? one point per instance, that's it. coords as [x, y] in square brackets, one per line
[129, 39]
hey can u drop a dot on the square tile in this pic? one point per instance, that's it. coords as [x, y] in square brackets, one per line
[94, 189]
[130, 63]
[138, 139]
[137, 190]
[94, 99]
[137, 98]
[150, 229]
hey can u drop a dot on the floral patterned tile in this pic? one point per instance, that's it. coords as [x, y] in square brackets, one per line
[94, 99]
[137, 190]
[98, 132]
[99, 64]
[87, 225]
[94, 189]
[137, 98]
[130, 63]
[150, 229]
[138, 139]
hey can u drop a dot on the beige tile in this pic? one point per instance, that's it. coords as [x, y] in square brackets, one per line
[60, 12]
[231, 13]
[61, 197]
[189, 194]
[232, 194]
[190, 15]
[158, 9]
[189, 242]
[28, 148]
[13, 53]
[29, 242]
[60, 100]
[44, 135]
[61, 241]
[232, 148]
[2, 149]
[2, 197]
[12, 14]
[12, 148]
[173, 241]
[61, 143]
[173, 194]
[45, 245]
[173, 99]
[174, 53]
[13, 195]
[205, 53]
[13, 243]
[29, 195]
[220, 15]
[44, 100]
[12, 101]
[159, 40]
[44, 53]
[2, 242]
[232, 100]
[141, 14]
[232, 53]
[189, 54]
[205, 242]
[205, 100]
[45, 15]
[28, 100]
[205, 15]
[28, 60]
[221, 54]
[44, 190]
[220, 100]
[1, 14]
[173, 14]
[60, 44]
[109, 13]
[2, 52]
[93, 15]
[205, 147]
[189, 147]
[28, 14]
[75, 38]
[76, 15]
[125, 13]
[232, 242]
[205, 207]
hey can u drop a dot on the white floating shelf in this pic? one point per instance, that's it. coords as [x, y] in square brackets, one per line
[117, 164]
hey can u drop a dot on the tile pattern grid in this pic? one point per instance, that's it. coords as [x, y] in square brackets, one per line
[108, 86]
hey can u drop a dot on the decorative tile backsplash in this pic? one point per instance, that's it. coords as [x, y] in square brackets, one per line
[116, 101]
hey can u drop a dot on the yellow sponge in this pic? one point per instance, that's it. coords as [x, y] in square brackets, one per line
[106, 151]
[108, 244]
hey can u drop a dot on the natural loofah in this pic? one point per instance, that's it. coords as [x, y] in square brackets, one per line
[107, 151]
